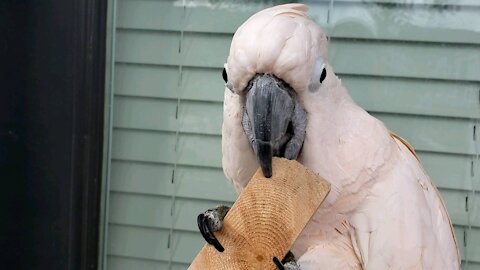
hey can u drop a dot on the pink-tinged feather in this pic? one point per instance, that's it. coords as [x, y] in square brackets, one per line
[383, 211]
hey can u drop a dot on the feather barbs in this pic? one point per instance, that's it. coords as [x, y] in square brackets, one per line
[281, 41]
[404, 142]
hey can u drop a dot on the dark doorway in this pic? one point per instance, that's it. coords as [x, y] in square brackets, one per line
[51, 132]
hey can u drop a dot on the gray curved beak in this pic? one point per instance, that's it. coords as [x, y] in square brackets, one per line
[264, 152]
[268, 115]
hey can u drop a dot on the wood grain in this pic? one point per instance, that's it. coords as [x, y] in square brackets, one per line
[266, 218]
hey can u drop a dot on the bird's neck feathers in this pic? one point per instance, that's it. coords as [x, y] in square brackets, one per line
[343, 143]
[329, 98]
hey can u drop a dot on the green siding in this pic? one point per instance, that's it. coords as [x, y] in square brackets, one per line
[351, 56]
[424, 97]
[191, 181]
[352, 19]
[148, 209]
[419, 75]
[206, 118]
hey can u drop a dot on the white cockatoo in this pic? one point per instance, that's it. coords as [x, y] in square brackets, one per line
[382, 212]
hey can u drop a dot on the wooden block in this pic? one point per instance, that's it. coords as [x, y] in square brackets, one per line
[266, 218]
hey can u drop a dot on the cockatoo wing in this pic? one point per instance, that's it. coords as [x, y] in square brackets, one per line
[403, 223]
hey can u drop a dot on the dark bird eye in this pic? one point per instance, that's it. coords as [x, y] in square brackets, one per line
[224, 75]
[322, 77]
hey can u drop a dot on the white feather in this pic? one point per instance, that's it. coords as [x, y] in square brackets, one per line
[383, 211]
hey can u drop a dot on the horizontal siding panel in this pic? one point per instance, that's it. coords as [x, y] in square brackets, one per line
[151, 243]
[167, 15]
[156, 179]
[424, 133]
[147, 210]
[359, 57]
[163, 81]
[462, 245]
[446, 62]
[416, 2]
[127, 263]
[395, 95]
[411, 96]
[357, 19]
[401, 22]
[162, 47]
[154, 211]
[433, 134]
[138, 209]
[193, 149]
[472, 248]
[455, 201]
[449, 171]
[159, 114]
[471, 266]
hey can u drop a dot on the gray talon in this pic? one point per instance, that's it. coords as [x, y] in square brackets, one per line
[292, 265]
[215, 217]
[289, 262]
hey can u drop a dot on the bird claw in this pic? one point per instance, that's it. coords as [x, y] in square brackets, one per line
[288, 263]
[207, 232]
[277, 263]
[210, 222]
[291, 266]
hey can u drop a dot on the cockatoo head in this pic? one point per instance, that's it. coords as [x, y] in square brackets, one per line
[275, 57]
